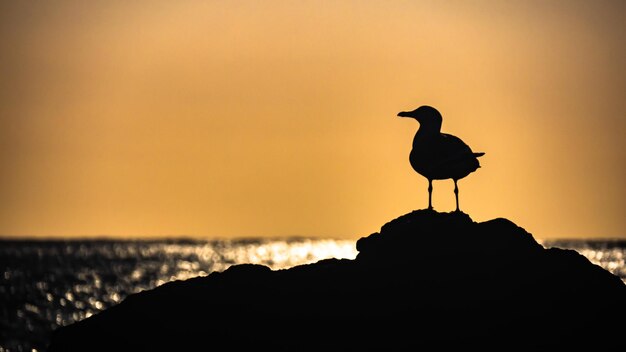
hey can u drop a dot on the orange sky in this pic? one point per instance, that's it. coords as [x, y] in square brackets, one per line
[272, 118]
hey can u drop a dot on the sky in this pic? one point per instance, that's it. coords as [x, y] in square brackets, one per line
[221, 119]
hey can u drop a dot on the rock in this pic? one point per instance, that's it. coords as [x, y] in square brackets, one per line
[437, 281]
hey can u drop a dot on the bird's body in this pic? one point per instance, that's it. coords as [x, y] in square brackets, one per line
[439, 156]
[442, 156]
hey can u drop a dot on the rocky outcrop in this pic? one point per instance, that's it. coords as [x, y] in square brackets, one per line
[427, 280]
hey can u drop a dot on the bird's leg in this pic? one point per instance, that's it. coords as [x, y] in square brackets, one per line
[430, 194]
[456, 195]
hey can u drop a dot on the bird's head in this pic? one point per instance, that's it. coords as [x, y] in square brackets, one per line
[426, 115]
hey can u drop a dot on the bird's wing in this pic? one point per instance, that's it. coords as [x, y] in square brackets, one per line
[453, 145]
[452, 149]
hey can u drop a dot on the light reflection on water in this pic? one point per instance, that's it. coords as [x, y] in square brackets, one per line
[609, 254]
[47, 284]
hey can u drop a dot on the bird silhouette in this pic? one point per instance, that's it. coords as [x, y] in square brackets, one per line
[436, 155]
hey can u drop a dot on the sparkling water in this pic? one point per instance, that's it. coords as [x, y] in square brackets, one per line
[47, 284]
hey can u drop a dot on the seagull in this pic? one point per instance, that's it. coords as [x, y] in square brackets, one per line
[439, 156]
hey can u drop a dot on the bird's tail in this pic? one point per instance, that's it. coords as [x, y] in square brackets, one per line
[478, 154]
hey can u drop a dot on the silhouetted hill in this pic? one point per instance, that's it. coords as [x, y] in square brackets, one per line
[438, 281]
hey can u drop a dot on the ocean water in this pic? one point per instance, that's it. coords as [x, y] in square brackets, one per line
[47, 284]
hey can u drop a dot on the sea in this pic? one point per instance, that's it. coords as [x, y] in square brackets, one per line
[45, 284]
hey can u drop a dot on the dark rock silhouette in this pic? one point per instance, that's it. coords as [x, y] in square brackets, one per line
[439, 156]
[437, 281]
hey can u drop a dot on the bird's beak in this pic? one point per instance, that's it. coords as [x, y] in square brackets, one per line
[404, 114]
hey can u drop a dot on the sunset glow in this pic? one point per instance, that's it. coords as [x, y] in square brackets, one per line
[278, 118]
